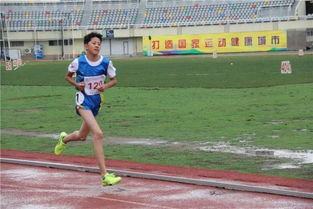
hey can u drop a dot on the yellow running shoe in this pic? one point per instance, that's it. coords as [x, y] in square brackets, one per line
[60, 146]
[110, 179]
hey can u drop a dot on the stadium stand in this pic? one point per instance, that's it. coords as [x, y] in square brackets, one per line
[218, 13]
[43, 20]
[112, 18]
[101, 14]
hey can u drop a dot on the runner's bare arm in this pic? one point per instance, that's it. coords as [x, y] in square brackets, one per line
[111, 83]
[68, 78]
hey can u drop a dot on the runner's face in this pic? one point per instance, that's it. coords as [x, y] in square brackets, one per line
[93, 47]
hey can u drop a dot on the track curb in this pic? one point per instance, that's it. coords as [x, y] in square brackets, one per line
[201, 182]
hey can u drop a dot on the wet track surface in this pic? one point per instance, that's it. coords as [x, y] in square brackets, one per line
[36, 187]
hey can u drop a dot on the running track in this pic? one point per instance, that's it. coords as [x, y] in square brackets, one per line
[38, 187]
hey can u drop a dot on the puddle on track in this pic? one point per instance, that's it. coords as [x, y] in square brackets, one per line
[297, 158]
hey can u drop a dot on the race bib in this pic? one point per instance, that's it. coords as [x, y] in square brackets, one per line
[92, 83]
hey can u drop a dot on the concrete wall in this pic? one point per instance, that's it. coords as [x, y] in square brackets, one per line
[296, 39]
[117, 47]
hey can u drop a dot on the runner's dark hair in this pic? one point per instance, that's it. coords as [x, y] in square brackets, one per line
[91, 35]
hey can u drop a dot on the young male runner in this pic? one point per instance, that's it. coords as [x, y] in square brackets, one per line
[91, 70]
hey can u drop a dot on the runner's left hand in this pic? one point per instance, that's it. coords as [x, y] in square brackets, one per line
[101, 88]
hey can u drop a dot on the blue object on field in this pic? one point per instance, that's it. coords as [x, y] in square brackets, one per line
[38, 51]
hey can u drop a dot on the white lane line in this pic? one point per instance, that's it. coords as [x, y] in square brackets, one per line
[135, 203]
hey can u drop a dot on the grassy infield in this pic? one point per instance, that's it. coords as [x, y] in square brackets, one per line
[177, 99]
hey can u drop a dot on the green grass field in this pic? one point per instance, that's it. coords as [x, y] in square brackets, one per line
[187, 72]
[187, 100]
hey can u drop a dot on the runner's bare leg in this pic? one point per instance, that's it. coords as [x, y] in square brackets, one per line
[98, 137]
[80, 135]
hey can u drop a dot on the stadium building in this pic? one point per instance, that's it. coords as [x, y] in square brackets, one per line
[53, 29]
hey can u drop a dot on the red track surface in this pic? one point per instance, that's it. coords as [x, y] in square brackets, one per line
[33, 187]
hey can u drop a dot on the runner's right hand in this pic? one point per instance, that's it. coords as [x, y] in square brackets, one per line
[80, 86]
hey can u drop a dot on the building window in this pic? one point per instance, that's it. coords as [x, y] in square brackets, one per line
[17, 43]
[53, 43]
[14, 44]
[60, 42]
